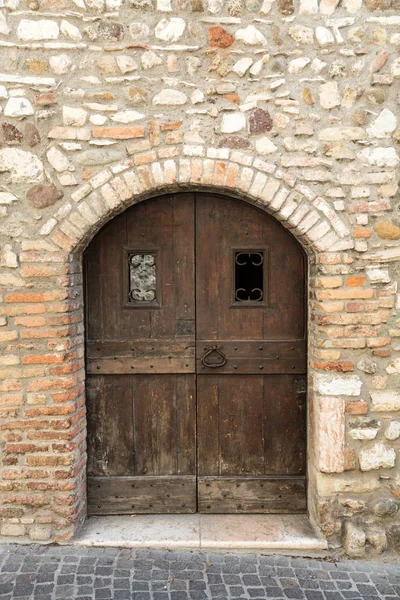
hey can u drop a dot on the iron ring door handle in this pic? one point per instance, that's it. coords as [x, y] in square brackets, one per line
[209, 350]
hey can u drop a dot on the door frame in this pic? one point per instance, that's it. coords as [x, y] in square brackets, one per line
[155, 197]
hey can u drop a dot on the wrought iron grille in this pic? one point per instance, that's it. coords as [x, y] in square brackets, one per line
[249, 276]
[142, 278]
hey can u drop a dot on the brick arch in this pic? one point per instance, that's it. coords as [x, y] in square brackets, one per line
[311, 219]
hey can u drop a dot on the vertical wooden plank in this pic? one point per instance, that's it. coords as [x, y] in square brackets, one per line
[285, 424]
[241, 429]
[208, 438]
[110, 426]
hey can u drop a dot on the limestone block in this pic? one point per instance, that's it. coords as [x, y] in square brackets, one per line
[324, 37]
[329, 429]
[44, 29]
[127, 116]
[18, 107]
[265, 146]
[170, 97]
[70, 31]
[377, 457]
[393, 431]
[380, 157]
[23, 166]
[353, 540]
[232, 122]
[384, 125]
[58, 160]
[251, 36]
[337, 385]
[329, 95]
[170, 30]
[74, 116]
[385, 400]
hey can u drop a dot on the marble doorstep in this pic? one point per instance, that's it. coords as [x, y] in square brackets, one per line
[268, 532]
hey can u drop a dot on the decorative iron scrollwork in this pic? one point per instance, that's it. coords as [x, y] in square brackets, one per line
[142, 278]
[249, 276]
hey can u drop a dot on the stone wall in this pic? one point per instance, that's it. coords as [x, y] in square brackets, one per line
[290, 105]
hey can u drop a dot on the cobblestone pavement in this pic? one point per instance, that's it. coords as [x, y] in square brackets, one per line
[50, 573]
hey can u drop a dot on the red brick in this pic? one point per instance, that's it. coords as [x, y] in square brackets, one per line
[341, 367]
[118, 133]
[30, 321]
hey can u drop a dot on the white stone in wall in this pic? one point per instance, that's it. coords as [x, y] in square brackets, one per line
[298, 64]
[4, 28]
[329, 95]
[7, 198]
[265, 146]
[384, 125]
[327, 7]
[302, 34]
[318, 65]
[164, 5]
[242, 66]
[127, 116]
[337, 385]
[251, 36]
[23, 166]
[395, 68]
[378, 456]
[324, 37]
[3, 91]
[139, 30]
[214, 6]
[75, 117]
[114, 4]
[18, 107]
[70, 31]
[256, 69]
[126, 64]
[380, 157]
[60, 63]
[385, 400]
[44, 29]
[363, 434]
[233, 122]
[308, 7]
[393, 431]
[95, 4]
[58, 160]
[98, 119]
[352, 6]
[378, 275]
[197, 97]
[150, 59]
[170, 30]
[8, 258]
[170, 97]
[393, 367]
[266, 7]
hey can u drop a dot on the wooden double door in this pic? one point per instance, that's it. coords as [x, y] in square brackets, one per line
[196, 360]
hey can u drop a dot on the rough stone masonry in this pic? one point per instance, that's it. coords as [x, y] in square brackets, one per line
[290, 104]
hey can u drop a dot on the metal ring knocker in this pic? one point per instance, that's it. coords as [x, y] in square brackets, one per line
[209, 350]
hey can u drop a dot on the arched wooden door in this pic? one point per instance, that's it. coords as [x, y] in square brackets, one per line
[196, 360]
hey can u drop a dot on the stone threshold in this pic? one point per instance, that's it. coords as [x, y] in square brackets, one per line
[261, 532]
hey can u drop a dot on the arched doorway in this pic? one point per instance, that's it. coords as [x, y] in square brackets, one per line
[196, 360]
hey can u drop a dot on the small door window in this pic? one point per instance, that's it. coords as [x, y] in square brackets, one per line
[142, 278]
[249, 269]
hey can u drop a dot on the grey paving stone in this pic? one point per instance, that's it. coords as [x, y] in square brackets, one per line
[68, 573]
